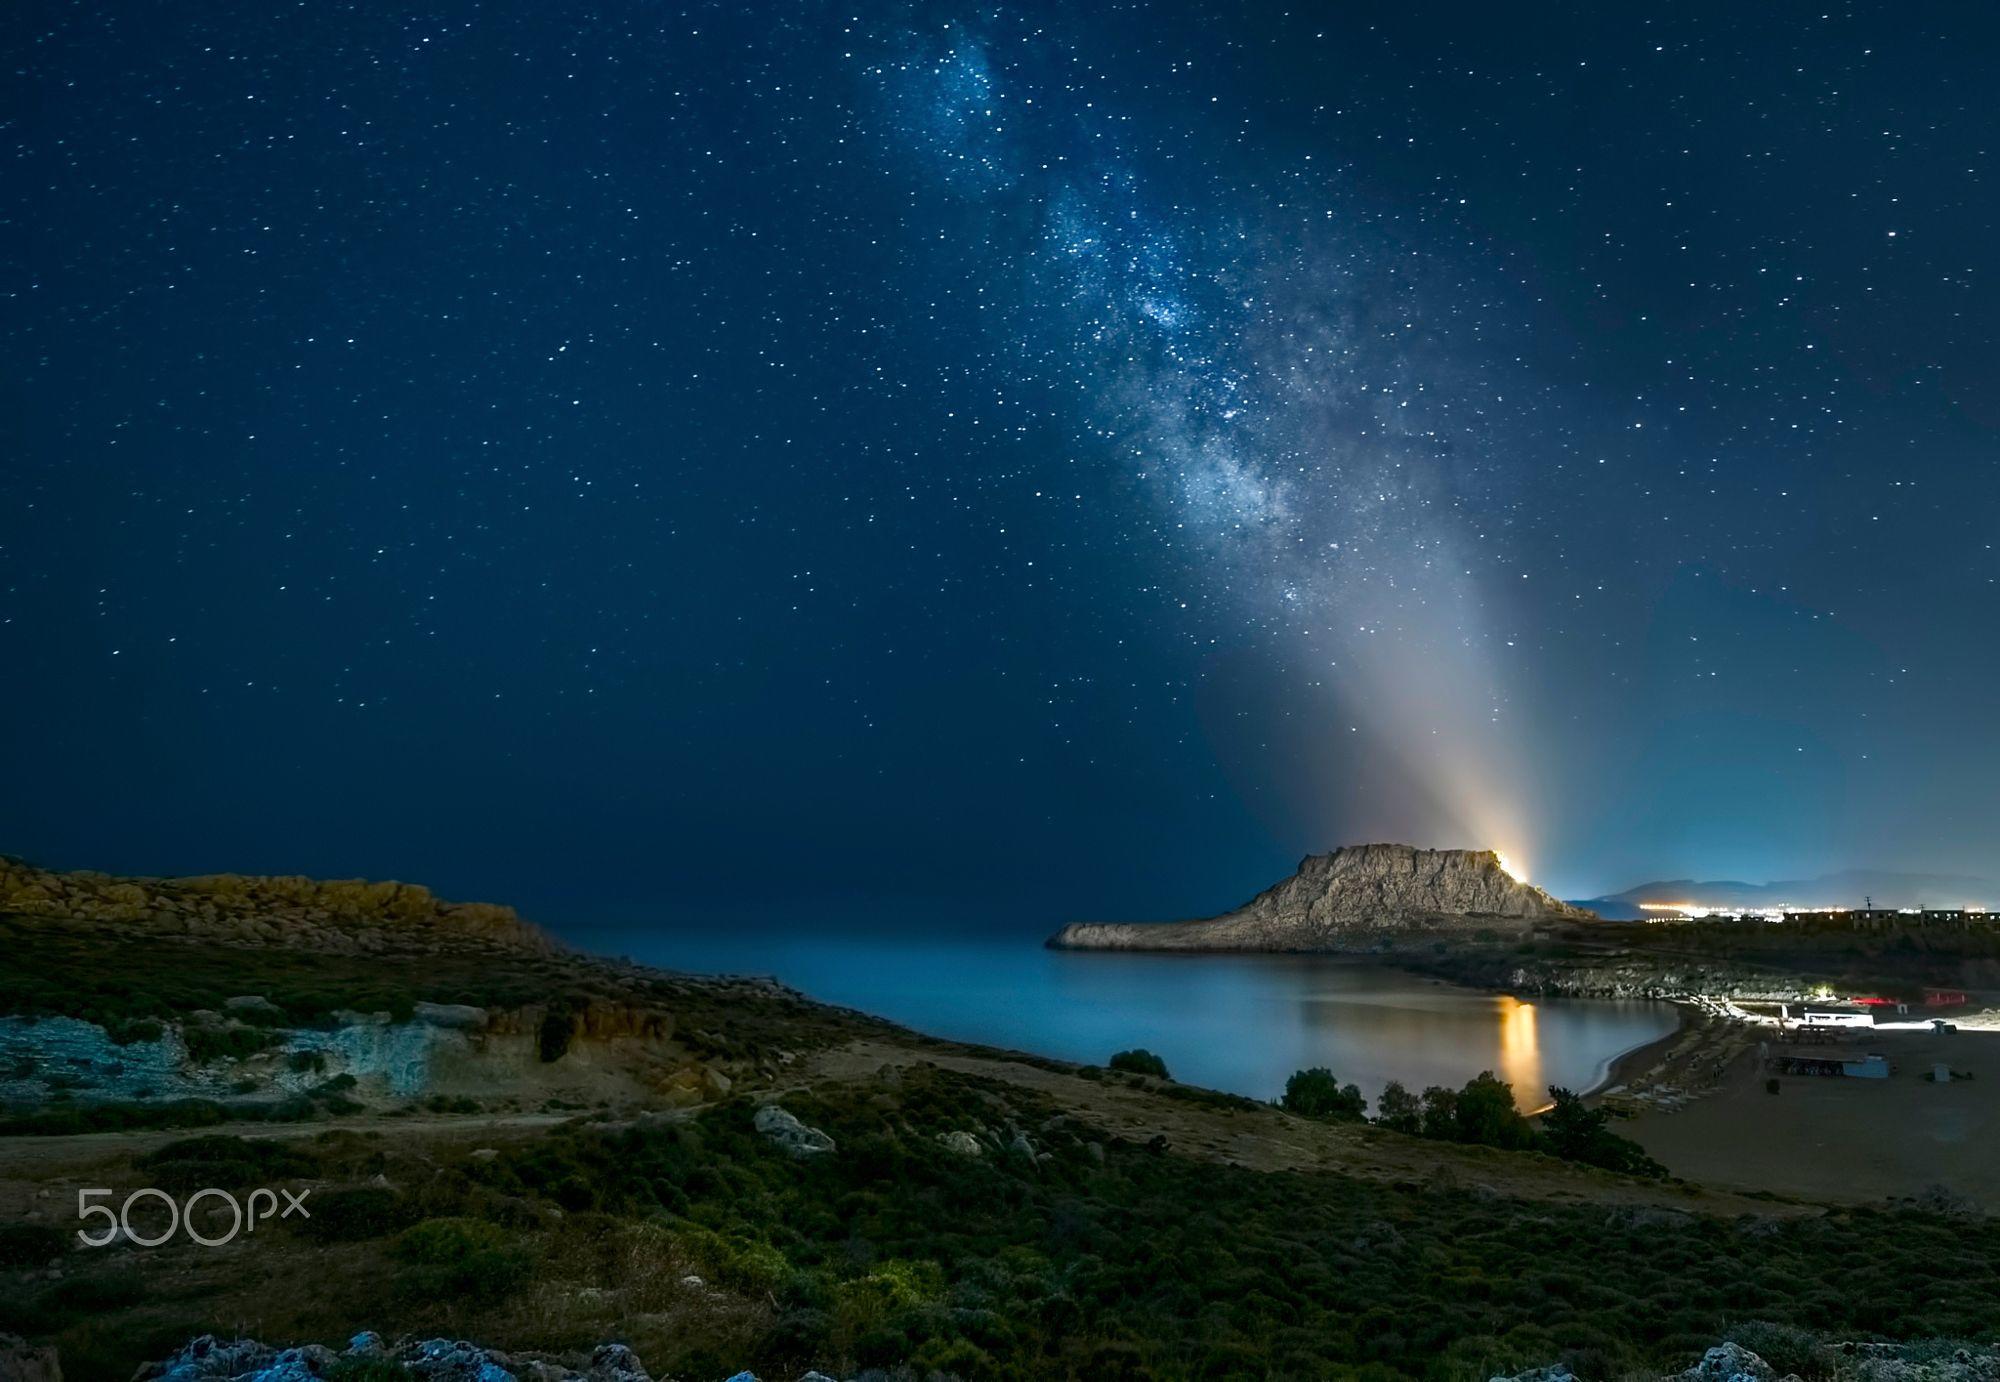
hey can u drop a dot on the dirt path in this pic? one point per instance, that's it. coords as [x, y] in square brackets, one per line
[19, 1155]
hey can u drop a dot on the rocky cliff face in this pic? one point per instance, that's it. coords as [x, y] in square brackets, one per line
[1351, 899]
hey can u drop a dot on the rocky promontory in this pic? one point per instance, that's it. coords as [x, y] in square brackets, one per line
[1354, 898]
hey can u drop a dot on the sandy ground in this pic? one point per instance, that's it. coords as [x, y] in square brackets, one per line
[1844, 1139]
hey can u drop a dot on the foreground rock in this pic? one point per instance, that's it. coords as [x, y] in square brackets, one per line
[1348, 900]
[209, 1359]
[784, 1128]
[1923, 1361]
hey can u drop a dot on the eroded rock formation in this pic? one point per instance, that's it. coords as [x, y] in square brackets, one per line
[1346, 900]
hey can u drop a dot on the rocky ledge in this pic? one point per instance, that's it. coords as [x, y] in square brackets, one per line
[1351, 899]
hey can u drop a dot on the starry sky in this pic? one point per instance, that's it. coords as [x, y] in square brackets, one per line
[992, 465]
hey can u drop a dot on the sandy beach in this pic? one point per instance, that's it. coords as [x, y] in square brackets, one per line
[1832, 1138]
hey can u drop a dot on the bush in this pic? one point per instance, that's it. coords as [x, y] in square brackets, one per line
[30, 1245]
[368, 1370]
[1486, 1115]
[125, 1031]
[465, 1257]
[1317, 1094]
[115, 1117]
[225, 1162]
[1576, 1132]
[367, 1211]
[206, 1044]
[1140, 1061]
[1399, 1109]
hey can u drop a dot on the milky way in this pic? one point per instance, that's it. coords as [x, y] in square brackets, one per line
[1271, 387]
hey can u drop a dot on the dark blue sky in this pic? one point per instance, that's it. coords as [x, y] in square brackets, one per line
[998, 464]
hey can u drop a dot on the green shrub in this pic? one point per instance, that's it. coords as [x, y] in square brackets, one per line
[463, 1257]
[225, 1162]
[125, 1031]
[30, 1245]
[1487, 1116]
[352, 1215]
[1317, 1094]
[114, 1117]
[94, 1295]
[1140, 1061]
[206, 1043]
[1576, 1132]
[368, 1370]
[1399, 1109]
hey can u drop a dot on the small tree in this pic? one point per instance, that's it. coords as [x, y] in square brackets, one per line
[1140, 1061]
[1440, 1116]
[1316, 1093]
[1574, 1131]
[1399, 1109]
[1487, 1116]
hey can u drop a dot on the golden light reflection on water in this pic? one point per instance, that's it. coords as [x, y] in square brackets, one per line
[1521, 1052]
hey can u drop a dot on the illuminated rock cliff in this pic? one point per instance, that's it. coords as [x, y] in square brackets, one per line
[1344, 899]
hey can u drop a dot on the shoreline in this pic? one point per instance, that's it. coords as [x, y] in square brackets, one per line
[1623, 1068]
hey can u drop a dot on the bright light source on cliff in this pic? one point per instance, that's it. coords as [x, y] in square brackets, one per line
[1510, 868]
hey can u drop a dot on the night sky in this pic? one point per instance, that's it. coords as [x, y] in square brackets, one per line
[996, 465]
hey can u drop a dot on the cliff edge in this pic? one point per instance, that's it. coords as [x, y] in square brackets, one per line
[1349, 899]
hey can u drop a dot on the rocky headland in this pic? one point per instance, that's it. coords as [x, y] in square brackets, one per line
[1360, 898]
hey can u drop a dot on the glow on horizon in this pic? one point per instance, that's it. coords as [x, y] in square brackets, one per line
[1513, 870]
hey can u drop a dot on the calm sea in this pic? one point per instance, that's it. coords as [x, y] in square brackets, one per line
[1242, 1023]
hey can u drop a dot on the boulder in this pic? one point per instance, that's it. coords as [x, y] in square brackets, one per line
[963, 1143]
[458, 1017]
[616, 1363]
[1729, 1363]
[21, 1363]
[790, 1134]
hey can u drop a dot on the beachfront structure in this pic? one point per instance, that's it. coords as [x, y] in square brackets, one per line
[1836, 918]
[1828, 1015]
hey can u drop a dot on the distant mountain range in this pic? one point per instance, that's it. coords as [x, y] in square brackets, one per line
[1848, 888]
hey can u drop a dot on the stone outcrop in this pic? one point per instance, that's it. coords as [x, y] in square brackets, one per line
[794, 1137]
[1919, 1361]
[349, 916]
[209, 1359]
[1356, 898]
[22, 1362]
